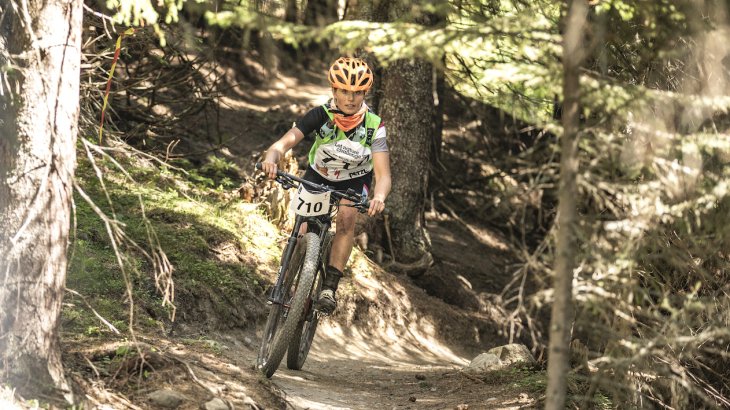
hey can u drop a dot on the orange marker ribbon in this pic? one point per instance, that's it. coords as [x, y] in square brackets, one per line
[117, 50]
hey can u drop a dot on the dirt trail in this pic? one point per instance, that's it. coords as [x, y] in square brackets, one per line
[352, 377]
[353, 373]
[392, 346]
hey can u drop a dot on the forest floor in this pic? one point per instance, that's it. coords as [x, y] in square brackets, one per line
[396, 342]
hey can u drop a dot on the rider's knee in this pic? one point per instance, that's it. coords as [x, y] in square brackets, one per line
[345, 224]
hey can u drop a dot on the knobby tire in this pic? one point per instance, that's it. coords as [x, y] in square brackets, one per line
[302, 340]
[303, 279]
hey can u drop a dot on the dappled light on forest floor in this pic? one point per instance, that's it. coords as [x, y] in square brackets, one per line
[410, 346]
[484, 236]
[327, 382]
[389, 344]
[392, 331]
[121, 374]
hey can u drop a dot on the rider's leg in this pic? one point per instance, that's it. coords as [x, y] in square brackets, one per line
[339, 254]
[344, 236]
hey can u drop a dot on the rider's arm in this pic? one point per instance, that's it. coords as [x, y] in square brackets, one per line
[381, 166]
[277, 150]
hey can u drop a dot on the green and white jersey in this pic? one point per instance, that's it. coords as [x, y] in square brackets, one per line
[337, 155]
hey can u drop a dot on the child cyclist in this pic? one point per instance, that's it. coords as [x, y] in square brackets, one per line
[349, 145]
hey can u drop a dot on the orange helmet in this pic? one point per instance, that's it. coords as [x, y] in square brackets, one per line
[351, 74]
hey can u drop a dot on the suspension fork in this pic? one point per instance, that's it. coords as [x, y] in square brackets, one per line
[277, 293]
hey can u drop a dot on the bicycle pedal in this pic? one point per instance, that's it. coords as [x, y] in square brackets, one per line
[320, 314]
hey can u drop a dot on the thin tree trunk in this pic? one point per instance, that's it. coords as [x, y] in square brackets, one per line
[318, 13]
[38, 128]
[291, 12]
[562, 317]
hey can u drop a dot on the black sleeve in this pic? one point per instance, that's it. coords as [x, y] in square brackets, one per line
[311, 121]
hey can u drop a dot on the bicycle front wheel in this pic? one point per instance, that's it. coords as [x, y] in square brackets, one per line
[298, 285]
[302, 341]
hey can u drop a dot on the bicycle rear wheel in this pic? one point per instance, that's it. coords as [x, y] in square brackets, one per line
[302, 340]
[285, 318]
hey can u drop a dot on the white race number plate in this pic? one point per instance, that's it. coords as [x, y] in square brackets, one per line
[307, 203]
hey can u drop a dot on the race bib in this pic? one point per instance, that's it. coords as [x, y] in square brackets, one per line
[307, 203]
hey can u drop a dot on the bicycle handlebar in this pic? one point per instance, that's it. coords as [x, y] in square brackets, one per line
[359, 202]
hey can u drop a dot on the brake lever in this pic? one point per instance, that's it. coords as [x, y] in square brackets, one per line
[285, 182]
[363, 206]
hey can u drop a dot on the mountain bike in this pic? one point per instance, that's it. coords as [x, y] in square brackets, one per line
[293, 314]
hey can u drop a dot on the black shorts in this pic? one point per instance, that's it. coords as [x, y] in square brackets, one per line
[356, 184]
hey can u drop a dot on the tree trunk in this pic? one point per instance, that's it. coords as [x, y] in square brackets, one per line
[320, 13]
[407, 110]
[291, 12]
[562, 317]
[407, 107]
[38, 128]
[368, 10]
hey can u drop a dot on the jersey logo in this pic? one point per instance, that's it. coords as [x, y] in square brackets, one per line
[358, 173]
[369, 140]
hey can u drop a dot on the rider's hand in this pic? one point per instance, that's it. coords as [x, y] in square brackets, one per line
[269, 169]
[377, 204]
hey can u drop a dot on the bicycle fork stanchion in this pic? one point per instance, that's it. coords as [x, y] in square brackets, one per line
[277, 293]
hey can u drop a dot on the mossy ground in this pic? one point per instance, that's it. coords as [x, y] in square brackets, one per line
[191, 217]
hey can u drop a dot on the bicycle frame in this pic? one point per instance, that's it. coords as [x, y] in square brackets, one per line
[322, 222]
[293, 317]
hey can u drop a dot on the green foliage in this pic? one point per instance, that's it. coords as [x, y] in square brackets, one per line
[123, 350]
[533, 381]
[489, 52]
[218, 173]
[139, 13]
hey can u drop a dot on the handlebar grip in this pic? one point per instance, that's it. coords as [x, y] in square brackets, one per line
[259, 166]
[365, 206]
